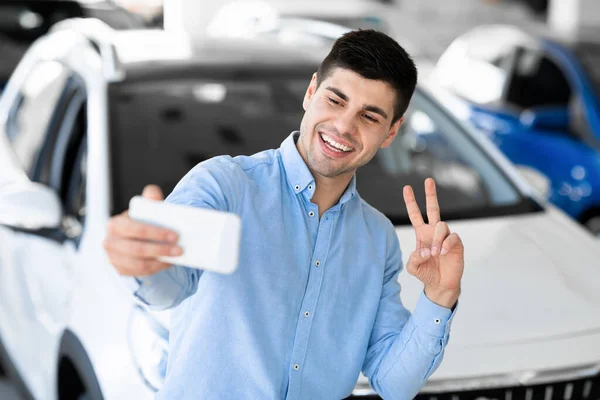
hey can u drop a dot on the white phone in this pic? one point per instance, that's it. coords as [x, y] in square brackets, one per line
[210, 239]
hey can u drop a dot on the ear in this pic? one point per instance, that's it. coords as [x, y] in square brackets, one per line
[392, 133]
[312, 88]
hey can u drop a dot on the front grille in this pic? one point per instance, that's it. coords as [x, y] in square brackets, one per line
[580, 389]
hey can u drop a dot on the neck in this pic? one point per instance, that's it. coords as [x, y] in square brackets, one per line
[328, 191]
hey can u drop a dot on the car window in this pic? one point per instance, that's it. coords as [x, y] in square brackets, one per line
[68, 162]
[170, 126]
[537, 81]
[75, 188]
[67, 170]
[38, 99]
[431, 144]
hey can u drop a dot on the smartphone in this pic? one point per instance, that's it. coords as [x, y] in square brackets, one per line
[210, 239]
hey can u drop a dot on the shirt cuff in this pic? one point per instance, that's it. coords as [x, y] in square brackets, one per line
[130, 282]
[144, 288]
[432, 318]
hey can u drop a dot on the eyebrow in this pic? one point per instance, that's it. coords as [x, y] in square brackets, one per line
[370, 108]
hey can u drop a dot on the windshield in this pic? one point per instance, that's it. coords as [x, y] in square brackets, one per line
[160, 130]
[589, 56]
[431, 143]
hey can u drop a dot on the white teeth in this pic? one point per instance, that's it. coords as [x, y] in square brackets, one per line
[334, 143]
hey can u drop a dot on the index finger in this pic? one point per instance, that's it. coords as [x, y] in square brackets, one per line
[431, 202]
[414, 214]
[122, 225]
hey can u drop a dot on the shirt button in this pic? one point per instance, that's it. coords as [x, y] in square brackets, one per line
[306, 314]
[437, 321]
[296, 367]
[311, 213]
[318, 263]
[297, 187]
[310, 187]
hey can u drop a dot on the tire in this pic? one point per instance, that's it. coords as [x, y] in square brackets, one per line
[77, 379]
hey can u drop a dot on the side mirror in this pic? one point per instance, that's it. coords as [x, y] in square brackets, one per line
[546, 118]
[540, 182]
[29, 205]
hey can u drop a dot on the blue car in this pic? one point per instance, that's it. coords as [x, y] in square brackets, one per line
[538, 99]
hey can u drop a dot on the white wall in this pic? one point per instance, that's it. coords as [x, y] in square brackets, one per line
[190, 16]
[570, 16]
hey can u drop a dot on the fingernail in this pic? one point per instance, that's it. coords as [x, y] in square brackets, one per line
[172, 237]
[176, 251]
[434, 250]
[444, 252]
[425, 252]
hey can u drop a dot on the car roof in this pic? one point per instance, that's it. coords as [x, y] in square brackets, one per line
[538, 32]
[144, 54]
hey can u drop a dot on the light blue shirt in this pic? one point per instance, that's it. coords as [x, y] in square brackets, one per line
[312, 303]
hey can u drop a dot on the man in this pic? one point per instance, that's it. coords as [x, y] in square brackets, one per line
[315, 298]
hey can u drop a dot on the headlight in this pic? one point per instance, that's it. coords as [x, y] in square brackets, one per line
[148, 341]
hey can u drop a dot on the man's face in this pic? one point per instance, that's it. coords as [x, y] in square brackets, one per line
[348, 118]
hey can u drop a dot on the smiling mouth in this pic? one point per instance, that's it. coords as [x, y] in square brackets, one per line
[333, 145]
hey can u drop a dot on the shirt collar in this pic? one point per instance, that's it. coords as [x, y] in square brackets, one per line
[350, 191]
[298, 174]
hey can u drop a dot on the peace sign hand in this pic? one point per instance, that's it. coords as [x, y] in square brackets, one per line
[438, 261]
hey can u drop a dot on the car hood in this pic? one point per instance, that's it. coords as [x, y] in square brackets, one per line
[531, 285]
[527, 278]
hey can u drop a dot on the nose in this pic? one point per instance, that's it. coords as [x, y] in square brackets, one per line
[345, 123]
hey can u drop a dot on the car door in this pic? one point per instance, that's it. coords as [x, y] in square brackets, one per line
[38, 264]
[23, 134]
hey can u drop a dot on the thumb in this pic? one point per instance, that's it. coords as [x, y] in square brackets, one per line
[152, 192]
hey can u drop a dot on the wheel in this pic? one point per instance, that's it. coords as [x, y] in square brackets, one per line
[593, 224]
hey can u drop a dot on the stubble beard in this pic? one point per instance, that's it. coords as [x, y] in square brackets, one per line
[323, 165]
[318, 162]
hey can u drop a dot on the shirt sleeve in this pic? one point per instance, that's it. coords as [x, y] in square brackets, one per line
[404, 349]
[208, 186]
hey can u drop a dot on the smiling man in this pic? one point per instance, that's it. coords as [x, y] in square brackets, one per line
[315, 299]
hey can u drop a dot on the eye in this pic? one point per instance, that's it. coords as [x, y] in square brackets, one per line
[333, 101]
[370, 118]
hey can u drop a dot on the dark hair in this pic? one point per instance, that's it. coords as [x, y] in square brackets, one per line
[374, 55]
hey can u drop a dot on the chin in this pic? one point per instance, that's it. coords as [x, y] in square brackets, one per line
[324, 168]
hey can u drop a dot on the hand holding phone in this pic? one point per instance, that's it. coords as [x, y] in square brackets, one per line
[210, 239]
[153, 235]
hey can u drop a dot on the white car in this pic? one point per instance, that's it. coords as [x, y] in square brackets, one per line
[247, 17]
[91, 116]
